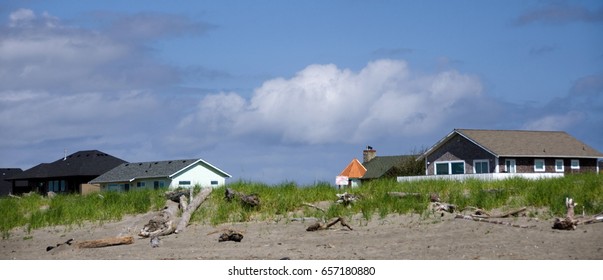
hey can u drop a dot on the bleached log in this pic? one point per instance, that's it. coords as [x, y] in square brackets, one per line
[105, 242]
[163, 223]
[186, 215]
[485, 215]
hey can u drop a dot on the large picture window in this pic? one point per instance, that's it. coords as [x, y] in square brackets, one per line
[575, 164]
[450, 167]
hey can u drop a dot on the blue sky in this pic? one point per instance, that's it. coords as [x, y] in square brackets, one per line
[277, 91]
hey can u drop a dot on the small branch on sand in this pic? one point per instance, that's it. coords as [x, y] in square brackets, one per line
[231, 235]
[320, 226]
[489, 221]
[314, 206]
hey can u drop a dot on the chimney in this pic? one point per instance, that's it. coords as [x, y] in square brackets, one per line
[368, 154]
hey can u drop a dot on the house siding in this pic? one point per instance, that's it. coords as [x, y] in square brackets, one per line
[526, 165]
[460, 149]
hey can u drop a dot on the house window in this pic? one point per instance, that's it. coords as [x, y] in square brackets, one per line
[214, 183]
[184, 183]
[559, 165]
[510, 166]
[539, 165]
[481, 166]
[450, 167]
[575, 164]
[140, 184]
[442, 168]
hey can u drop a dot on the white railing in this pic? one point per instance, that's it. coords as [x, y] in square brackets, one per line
[483, 176]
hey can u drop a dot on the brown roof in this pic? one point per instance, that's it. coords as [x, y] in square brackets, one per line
[525, 143]
[354, 170]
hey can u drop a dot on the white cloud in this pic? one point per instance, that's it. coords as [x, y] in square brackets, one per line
[324, 104]
[556, 122]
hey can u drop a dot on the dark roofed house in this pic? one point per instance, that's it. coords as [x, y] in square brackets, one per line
[6, 187]
[68, 173]
[184, 173]
[492, 154]
[376, 167]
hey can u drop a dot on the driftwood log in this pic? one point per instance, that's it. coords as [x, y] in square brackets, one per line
[346, 198]
[188, 212]
[441, 206]
[166, 221]
[105, 242]
[321, 226]
[252, 200]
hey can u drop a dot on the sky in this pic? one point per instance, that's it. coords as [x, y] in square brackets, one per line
[280, 91]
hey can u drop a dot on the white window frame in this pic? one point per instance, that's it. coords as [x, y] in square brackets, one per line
[481, 161]
[575, 164]
[435, 169]
[512, 165]
[557, 169]
[536, 169]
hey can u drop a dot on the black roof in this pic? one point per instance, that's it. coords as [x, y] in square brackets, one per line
[82, 163]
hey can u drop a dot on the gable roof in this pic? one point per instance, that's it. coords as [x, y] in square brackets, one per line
[128, 172]
[82, 163]
[379, 165]
[523, 143]
[355, 169]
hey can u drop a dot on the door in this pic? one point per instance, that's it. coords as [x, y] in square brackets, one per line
[510, 166]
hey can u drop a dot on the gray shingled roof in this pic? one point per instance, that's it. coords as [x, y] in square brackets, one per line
[153, 169]
[524, 143]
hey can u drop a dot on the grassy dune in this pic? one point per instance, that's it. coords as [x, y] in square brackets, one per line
[546, 198]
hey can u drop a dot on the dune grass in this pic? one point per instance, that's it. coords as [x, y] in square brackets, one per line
[286, 200]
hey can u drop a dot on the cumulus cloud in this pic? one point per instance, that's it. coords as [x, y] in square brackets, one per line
[324, 104]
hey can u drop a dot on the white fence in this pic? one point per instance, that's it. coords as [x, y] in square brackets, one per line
[483, 176]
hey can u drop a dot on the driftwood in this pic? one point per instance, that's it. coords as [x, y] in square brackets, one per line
[251, 200]
[60, 245]
[231, 235]
[105, 242]
[166, 222]
[314, 206]
[320, 226]
[163, 223]
[441, 206]
[570, 222]
[485, 215]
[186, 215]
[346, 198]
[489, 221]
